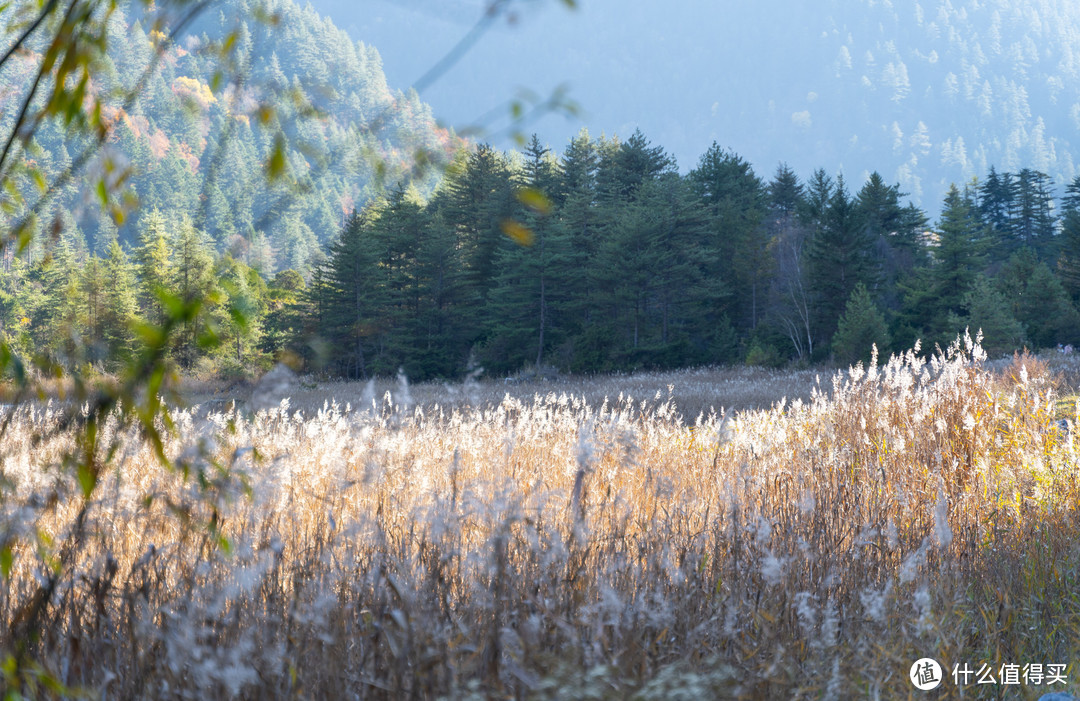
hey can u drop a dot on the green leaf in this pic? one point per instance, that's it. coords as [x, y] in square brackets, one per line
[7, 560]
[87, 480]
[239, 318]
[275, 165]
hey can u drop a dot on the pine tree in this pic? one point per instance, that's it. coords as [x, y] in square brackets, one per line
[786, 193]
[528, 286]
[789, 294]
[193, 281]
[660, 304]
[475, 200]
[120, 305]
[819, 193]
[626, 167]
[154, 265]
[444, 332]
[286, 316]
[861, 326]
[959, 256]
[1033, 222]
[735, 200]
[91, 292]
[879, 208]
[1068, 265]
[840, 256]
[985, 310]
[54, 323]
[1037, 299]
[347, 297]
[580, 215]
[398, 228]
[240, 318]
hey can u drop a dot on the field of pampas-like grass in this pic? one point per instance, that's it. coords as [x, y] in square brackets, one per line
[559, 545]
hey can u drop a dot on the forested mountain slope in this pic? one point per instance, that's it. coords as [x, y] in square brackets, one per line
[927, 93]
[198, 145]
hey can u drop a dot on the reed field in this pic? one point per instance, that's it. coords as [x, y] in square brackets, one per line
[667, 536]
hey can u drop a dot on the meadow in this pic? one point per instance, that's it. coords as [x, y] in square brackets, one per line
[705, 534]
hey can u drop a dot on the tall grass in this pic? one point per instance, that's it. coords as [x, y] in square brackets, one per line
[559, 548]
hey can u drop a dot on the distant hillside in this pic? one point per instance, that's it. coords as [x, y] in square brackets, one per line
[927, 93]
[343, 126]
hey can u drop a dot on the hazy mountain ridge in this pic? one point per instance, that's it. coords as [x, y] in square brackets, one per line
[927, 94]
[199, 148]
[966, 86]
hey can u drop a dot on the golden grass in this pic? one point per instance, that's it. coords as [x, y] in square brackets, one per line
[562, 547]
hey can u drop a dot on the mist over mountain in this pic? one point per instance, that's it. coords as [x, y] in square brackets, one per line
[927, 93]
[197, 144]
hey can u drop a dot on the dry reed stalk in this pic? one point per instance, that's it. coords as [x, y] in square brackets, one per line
[562, 548]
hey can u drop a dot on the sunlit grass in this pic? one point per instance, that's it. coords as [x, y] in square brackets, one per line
[556, 545]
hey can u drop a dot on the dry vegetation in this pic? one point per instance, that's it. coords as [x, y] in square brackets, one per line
[693, 391]
[562, 546]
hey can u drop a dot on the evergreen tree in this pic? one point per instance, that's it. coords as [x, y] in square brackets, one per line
[54, 322]
[154, 265]
[241, 315]
[985, 310]
[735, 200]
[786, 193]
[1037, 299]
[840, 256]
[1069, 256]
[398, 227]
[580, 215]
[17, 296]
[1032, 218]
[660, 304]
[91, 314]
[790, 303]
[996, 196]
[861, 326]
[445, 326]
[819, 193]
[879, 208]
[120, 305]
[895, 233]
[625, 168]
[287, 315]
[528, 288]
[347, 297]
[959, 256]
[475, 200]
[193, 281]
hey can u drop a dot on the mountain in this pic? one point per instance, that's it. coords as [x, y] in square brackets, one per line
[302, 99]
[927, 93]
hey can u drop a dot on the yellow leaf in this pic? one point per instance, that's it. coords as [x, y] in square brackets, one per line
[520, 233]
[535, 200]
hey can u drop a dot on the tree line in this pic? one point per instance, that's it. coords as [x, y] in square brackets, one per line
[603, 258]
[627, 264]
